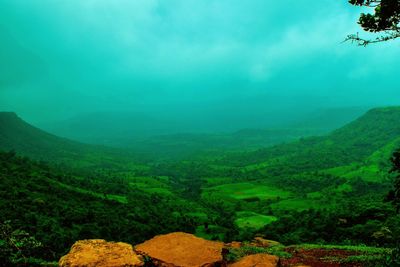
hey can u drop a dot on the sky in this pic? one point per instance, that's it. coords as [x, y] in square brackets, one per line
[221, 59]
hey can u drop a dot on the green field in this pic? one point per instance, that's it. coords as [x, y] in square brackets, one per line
[243, 191]
[248, 219]
[157, 184]
[369, 173]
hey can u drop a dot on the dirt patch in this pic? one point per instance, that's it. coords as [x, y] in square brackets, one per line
[319, 258]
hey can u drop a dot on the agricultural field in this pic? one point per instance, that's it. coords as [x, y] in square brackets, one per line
[248, 219]
[246, 191]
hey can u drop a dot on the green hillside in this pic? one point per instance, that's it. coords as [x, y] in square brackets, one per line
[58, 209]
[354, 142]
[27, 140]
[314, 190]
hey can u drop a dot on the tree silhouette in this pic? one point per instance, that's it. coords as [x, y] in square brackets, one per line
[384, 19]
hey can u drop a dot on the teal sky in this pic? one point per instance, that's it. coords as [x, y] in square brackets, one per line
[61, 58]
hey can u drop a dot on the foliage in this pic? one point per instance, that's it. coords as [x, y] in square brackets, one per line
[347, 224]
[17, 246]
[33, 199]
[394, 195]
[324, 190]
[384, 19]
[394, 259]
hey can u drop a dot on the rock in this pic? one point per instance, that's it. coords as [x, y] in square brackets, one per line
[234, 244]
[100, 253]
[264, 243]
[183, 250]
[257, 260]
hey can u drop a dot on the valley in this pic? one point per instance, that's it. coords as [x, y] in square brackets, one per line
[311, 190]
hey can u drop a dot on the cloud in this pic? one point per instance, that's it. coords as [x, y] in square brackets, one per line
[124, 54]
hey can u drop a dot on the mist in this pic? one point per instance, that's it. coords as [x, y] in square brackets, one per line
[187, 66]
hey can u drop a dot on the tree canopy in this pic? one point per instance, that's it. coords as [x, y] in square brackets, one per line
[394, 195]
[384, 19]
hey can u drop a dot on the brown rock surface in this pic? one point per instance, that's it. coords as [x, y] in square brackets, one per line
[234, 244]
[257, 260]
[100, 253]
[261, 242]
[183, 250]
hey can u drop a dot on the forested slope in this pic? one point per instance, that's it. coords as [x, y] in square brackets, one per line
[27, 140]
[352, 143]
[34, 198]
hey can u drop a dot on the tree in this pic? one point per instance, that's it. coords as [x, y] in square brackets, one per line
[384, 19]
[17, 247]
[394, 195]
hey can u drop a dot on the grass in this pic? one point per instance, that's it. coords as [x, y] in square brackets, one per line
[248, 219]
[359, 249]
[158, 185]
[119, 198]
[237, 253]
[243, 191]
[368, 256]
[369, 172]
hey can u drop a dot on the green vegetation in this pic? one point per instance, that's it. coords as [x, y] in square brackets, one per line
[326, 190]
[237, 253]
[34, 201]
[246, 191]
[384, 19]
[246, 219]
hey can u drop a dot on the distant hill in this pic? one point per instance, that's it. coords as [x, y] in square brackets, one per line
[329, 119]
[109, 128]
[319, 122]
[175, 146]
[27, 140]
[354, 142]
[198, 132]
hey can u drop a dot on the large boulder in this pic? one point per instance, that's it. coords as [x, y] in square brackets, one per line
[100, 253]
[183, 250]
[257, 260]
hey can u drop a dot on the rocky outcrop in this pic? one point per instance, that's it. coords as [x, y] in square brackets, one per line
[170, 250]
[99, 253]
[257, 260]
[183, 250]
